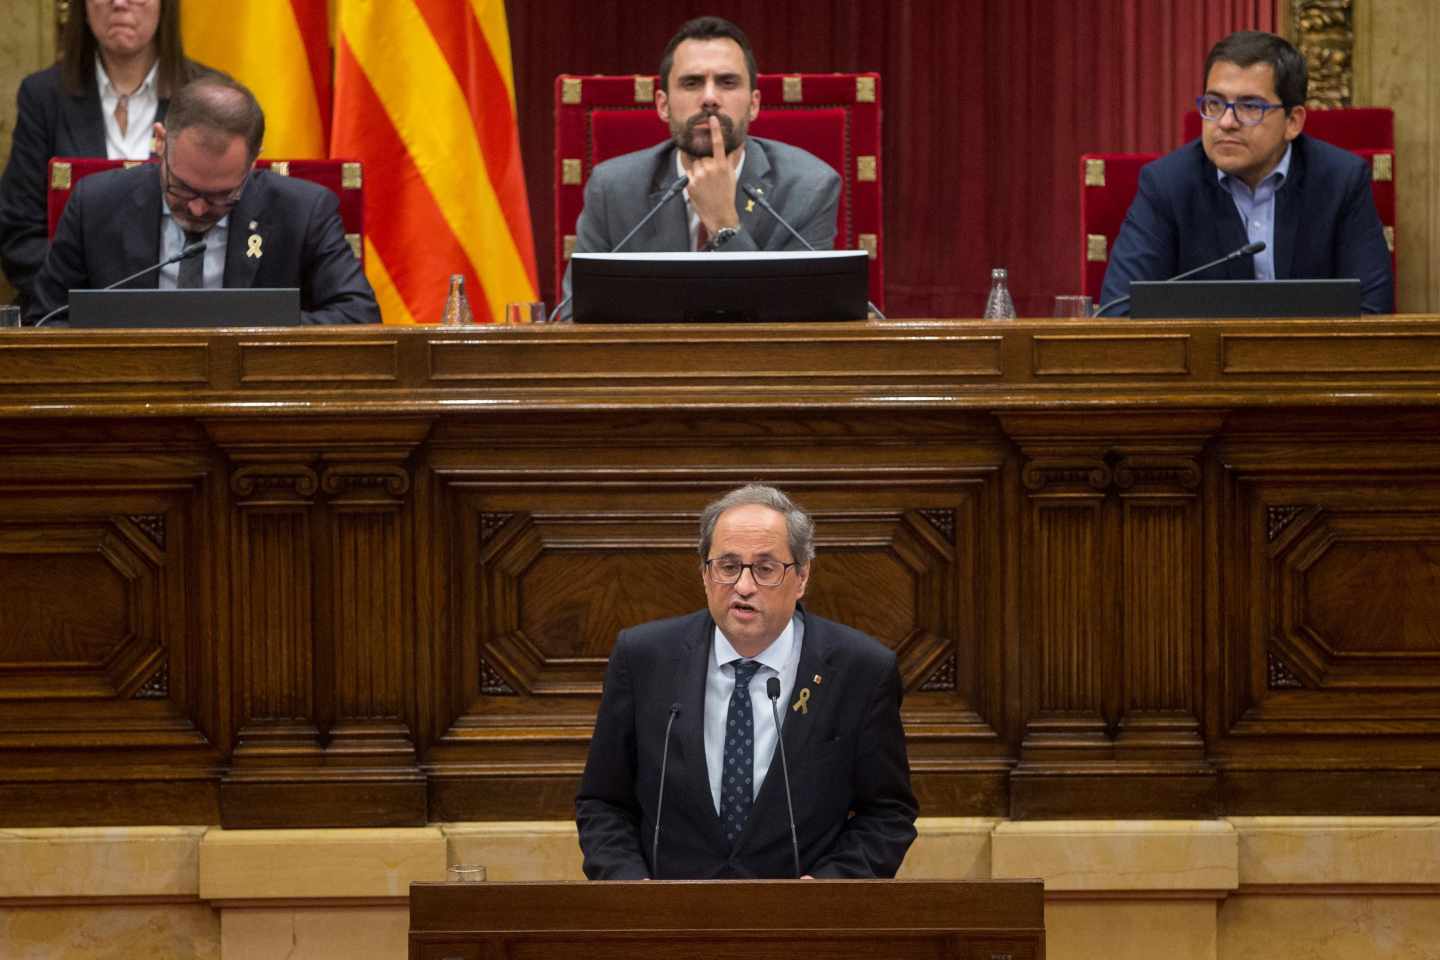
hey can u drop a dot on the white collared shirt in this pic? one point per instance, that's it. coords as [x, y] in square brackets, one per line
[691, 217]
[172, 241]
[134, 143]
[780, 659]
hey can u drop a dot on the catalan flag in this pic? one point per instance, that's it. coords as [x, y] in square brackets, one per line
[425, 97]
[280, 49]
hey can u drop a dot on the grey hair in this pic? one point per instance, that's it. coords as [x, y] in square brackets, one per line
[798, 525]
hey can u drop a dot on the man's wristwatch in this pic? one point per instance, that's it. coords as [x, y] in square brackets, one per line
[722, 236]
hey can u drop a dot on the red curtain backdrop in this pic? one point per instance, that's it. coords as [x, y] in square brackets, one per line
[987, 106]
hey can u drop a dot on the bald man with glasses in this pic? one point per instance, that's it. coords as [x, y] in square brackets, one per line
[1254, 176]
[259, 229]
[703, 714]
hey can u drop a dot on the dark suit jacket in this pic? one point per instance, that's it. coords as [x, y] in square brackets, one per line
[1326, 226]
[804, 189]
[849, 775]
[49, 122]
[111, 229]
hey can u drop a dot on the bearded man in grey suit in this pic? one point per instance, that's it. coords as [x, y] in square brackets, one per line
[707, 97]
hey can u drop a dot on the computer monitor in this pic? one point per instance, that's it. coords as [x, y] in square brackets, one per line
[720, 287]
[254, 307]
[1160, 299]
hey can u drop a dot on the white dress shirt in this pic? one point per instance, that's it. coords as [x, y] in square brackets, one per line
[134, 143]
[780, 659]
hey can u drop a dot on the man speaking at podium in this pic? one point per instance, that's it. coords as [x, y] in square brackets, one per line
[707, 97]
[260, 229]
[1255, 177]
[685, 777]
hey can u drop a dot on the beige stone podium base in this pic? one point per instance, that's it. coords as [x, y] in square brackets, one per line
[1252, 888]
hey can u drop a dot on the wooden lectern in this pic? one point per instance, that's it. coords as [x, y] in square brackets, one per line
[697, 920]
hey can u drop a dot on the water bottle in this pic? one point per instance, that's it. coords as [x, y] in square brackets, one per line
[457, 305]
[999, 306]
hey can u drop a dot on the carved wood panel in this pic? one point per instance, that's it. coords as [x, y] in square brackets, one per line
[546, 573]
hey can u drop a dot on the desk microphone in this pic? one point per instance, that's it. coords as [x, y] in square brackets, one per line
[772, 688]
[660, 798]
[190, 250]
[1248, 250]
[758, 195]
[675, 188]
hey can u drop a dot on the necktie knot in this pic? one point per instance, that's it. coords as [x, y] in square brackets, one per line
[745, 671]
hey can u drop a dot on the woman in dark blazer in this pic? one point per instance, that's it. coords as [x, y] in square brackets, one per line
[121, 47]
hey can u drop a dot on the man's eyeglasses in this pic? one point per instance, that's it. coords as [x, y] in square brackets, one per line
[181, 192]
[1250, 113]
[767, 573]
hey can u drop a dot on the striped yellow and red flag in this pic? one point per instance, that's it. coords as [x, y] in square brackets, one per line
[280, 49]
[425, 97]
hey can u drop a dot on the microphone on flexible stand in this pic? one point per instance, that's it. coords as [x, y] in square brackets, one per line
[190, 250]
[660, 798]
[772, 688]
[757, 194]
[675, 188]
[1249, 249]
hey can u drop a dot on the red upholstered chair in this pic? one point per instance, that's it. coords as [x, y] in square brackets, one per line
[835, 116]
[1108, 184]
[1109, 180]
[341, 177]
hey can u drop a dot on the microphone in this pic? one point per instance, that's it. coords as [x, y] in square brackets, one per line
[772, 688]
[1250, 249]
[675, 188]
[190, 250]
[757, 194]
[660, 798]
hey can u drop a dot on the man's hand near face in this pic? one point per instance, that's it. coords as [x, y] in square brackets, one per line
[712, 184]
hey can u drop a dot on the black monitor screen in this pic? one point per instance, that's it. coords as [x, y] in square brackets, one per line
[257, 307]
[1202, 299]
[720, 287]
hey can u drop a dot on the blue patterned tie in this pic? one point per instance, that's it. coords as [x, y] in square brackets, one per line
[737, 791]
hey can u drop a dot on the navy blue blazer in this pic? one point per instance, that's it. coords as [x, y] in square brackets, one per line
[849, 775]
[1326, 226]
[111, 228]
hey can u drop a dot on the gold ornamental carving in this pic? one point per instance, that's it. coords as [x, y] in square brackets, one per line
[570, 172]
[866, 169]
[60, 176]
[1324, 33]
[1097, 248]
[792, 90]
[864, 89]
[355, 245]
[1382, 167]
[350, 175]
[1094, 172]
[568, 245]
[870, 243]
[644, 89]
[570, 90]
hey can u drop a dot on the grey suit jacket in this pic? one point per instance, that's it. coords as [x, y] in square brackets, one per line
[804, 189]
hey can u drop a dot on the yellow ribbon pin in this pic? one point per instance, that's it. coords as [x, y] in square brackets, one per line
[252, 248]
[803, 704]
[749, 206]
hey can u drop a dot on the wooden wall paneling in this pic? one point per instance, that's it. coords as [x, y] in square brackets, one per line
[1112, 621]
[1329, 683]
[323, 627]
[566, 530]
[103, 651]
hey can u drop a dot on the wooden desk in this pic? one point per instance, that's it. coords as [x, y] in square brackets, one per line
[823, 919]
[370, 577]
